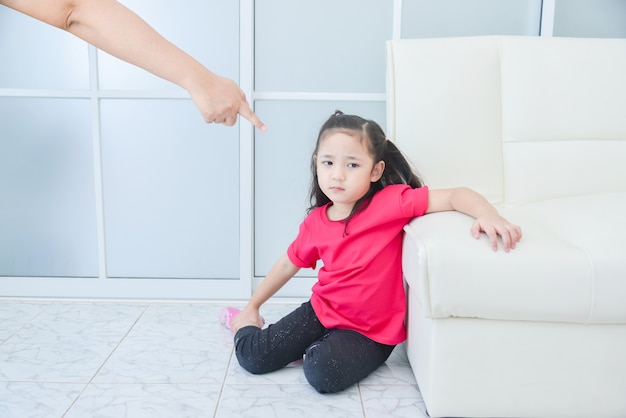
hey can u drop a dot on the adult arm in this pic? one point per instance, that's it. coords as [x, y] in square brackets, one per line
[114, 28]
[488, 220]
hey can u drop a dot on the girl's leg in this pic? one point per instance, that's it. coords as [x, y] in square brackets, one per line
[342, 358]
[265, 350]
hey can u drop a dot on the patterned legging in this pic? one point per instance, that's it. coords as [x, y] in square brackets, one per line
[333, 359]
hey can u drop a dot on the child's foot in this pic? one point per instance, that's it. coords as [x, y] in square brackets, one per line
[227, 314]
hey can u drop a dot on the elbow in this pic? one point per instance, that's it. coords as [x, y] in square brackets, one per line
[70, 21]
[64, 15]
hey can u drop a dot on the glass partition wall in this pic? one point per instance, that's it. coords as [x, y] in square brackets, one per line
[113, 186]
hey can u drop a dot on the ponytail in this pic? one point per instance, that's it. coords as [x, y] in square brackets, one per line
[397, 169]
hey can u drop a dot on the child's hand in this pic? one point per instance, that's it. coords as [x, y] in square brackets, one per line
[249, 316]
[497, 225]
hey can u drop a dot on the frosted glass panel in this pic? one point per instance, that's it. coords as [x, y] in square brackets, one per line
[36, 55]
[47, 206]
[171, 187]
[321, 46]
[206, 29]
[282, 170]
[425, 18]
[592, 19]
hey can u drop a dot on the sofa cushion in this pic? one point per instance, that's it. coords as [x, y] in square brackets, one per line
[567, 268]
[509, 116]
[437, 81]
[563, 117]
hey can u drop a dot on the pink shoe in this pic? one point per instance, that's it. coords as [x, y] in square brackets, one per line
[227, 314]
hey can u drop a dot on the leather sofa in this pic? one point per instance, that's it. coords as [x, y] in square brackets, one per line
[538, 126]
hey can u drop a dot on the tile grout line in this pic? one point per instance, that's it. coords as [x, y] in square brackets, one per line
[358, 387]
[69, 408]
[219, 397]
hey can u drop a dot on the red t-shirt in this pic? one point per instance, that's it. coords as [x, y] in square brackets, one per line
[360, 286]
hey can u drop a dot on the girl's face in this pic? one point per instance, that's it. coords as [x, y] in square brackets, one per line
[345, 170]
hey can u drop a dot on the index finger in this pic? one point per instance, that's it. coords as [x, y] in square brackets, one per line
[246, 112]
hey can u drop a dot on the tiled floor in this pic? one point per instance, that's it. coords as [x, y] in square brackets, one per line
[174, 360]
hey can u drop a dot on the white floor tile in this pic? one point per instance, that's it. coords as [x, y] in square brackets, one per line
[42, 400]
[166, 360]
[84, 319]
[395, 371]
[54, 358]
[14, 315]
[287, 401]
[146, 401]
[393, 401]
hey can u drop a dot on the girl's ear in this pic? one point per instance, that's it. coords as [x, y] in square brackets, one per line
[377, 171]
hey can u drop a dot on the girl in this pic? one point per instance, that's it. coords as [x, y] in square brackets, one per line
[362, 195]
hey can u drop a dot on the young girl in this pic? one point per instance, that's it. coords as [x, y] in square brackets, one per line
[363, 193]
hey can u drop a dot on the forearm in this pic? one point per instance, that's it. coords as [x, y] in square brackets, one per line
[471, 203]
[487, 218]
[114, 28]
[279, 274]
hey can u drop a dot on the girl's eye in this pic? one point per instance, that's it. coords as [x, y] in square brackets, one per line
[353, 165]
[327, 163]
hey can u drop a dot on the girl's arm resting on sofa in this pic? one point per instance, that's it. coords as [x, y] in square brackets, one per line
[280, 274]
[488, 220]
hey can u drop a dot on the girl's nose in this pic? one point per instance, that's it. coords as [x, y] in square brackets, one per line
[338, 174]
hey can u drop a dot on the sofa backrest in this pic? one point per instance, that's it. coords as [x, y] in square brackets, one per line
[519, 119]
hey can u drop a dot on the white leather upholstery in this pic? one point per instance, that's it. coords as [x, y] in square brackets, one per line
[538, 126]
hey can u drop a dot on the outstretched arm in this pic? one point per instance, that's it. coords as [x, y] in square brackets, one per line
[488, 220]
[115, 29]
[280, 274]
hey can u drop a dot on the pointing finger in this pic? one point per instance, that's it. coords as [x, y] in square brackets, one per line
[246, 112]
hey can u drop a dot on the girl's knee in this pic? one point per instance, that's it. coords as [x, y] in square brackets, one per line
[249, 361]
[247, 350]
[342, 359]
[324, 384]
[323, 373]
[253, 352]
[252, 365]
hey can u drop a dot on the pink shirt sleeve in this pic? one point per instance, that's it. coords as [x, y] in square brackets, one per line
[301, 252]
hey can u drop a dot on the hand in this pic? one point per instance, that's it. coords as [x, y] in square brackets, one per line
[497, 225]
[220, 100]
[248, 316]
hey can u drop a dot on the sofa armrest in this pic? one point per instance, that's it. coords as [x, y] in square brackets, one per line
[454, 275]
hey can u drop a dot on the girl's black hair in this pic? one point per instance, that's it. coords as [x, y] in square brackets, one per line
[397, 169]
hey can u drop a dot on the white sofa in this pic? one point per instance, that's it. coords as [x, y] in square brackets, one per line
[538, 126]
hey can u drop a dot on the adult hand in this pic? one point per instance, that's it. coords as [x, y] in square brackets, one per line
[220, 100]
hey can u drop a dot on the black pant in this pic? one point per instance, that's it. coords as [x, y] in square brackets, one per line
[333, 359]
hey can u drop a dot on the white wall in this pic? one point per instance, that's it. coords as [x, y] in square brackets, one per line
[111, 184]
